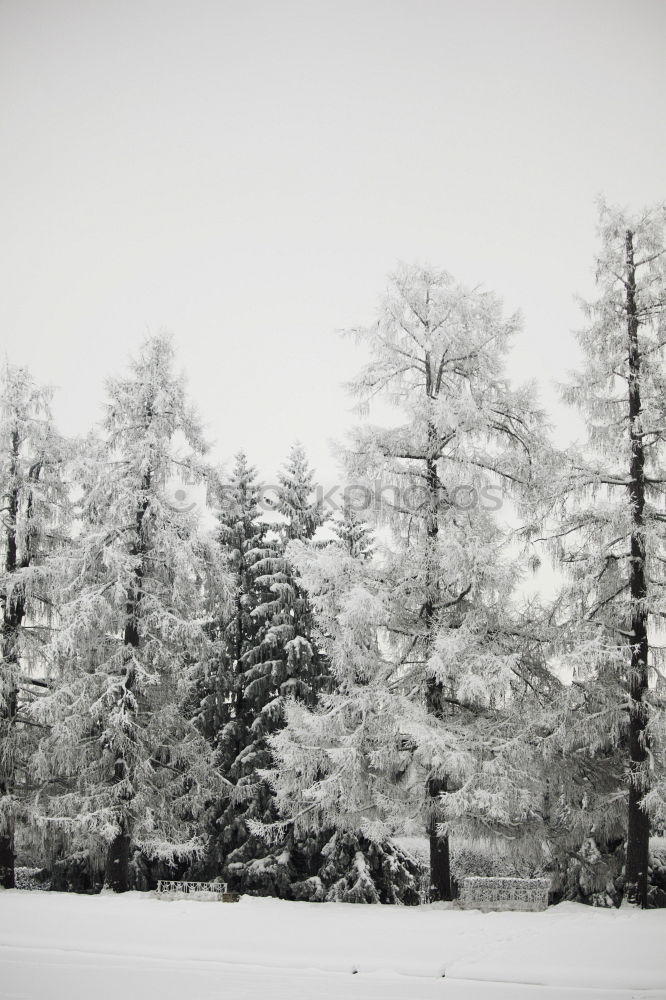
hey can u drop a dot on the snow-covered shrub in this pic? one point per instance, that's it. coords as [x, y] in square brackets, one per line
[357, 870]
[591, 875]
[32, 878]
[76, 873]
[595, 876]
[310, 889]
[269, 875]
[468, 862]
[356, 886]
[657, 890]
[145, 872]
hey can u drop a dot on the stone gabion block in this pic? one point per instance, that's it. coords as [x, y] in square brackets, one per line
[478, 893]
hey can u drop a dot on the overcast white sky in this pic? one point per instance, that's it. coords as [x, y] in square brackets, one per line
[245, 174]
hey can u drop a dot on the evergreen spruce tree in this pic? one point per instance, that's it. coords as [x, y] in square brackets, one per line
[302, 513]
[610, 541]
[285, 650]
[134, 770]
[33, 527]
[242, 537]
[352, 532]
[232, 700]
[278, 660]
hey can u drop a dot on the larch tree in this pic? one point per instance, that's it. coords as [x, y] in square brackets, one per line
[332, 771]
[34, 526]
[610, 533]
[437, 592]
[136, 771]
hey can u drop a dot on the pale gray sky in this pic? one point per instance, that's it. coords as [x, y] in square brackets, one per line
[245, 174]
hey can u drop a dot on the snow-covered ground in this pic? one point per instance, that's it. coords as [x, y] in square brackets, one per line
[66, 947]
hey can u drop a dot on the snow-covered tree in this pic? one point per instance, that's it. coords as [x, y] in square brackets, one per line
[302, 513]
[277, 659]
[135, 770]
[284, 655]
[353, 532]
[421, 639]
[225, 712]
[239, 695]
[321, 757]
[233, 696]
[284, 661]
[249, 706]
[610, 540]
[33, 526]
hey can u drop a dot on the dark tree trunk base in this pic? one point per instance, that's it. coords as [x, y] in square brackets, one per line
[7, 873]
[116, 875]
[638, 841]
[638, 825]
[440, 868]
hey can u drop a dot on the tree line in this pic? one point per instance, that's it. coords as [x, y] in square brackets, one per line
[275, 700]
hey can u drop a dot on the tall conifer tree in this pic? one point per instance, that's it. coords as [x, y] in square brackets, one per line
[277, 660]
[34, 527]
[437, 594]
[610, 536]
[136, 771]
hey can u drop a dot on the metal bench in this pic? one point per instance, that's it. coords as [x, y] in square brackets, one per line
[208, 890]
[478, 893]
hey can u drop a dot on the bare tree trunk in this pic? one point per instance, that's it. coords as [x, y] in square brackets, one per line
[116, 873]
[13, 611]
[440, 862]
[7, 856]
[440, 868]
[638, 826]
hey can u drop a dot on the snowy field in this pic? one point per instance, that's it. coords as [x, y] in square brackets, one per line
[67, 947]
